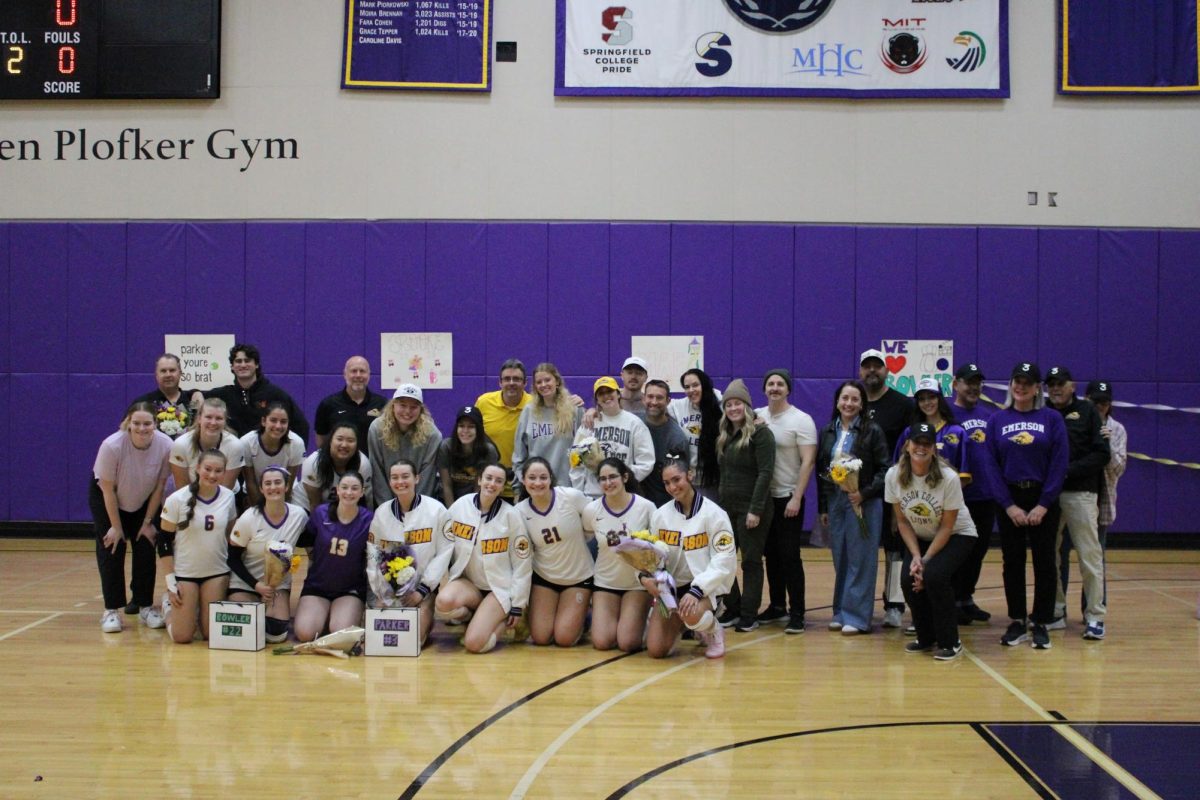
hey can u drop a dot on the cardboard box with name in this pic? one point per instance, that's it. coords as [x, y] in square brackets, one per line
[237, 626]
[394, 632]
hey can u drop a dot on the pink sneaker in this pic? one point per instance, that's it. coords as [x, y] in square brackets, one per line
[715, 642]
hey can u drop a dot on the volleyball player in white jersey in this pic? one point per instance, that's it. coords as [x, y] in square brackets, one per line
[562, 565]
[193, 544]
[209, 431]
[703, 561]
[491, 566]
[270, 519]
[619, 602]
[415, 520]
[273, 444]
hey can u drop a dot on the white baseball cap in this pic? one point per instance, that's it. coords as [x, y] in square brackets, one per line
[409, 390]
[871, 354]
[928, 385]
[635, 361]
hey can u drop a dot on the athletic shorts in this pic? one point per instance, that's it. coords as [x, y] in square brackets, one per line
[588, 584]
[331, 596]
[199, 581]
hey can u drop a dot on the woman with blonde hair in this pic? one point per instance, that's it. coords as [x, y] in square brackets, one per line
[404, 430]
[210, 431]
[746, 453]
[547, 425]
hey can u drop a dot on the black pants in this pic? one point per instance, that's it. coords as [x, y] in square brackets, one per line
[112, 565]
[751, 541]
[983, 514]
[1039, 539]
[933, 611]
[785, 567]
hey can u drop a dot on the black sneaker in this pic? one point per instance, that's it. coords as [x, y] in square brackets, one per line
[1041, 638]
[772, 614]
[746, 625]
[794, 625]
[976, 613]
[728, 619]
[948, 653]
[1017, 632]
[917, 646]
[132, 610]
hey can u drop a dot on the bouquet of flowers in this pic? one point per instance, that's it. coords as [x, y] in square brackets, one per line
[281, 561]
[647, 554]
[171, 419]
[587, 451]
[391, 574]
[844, 472]
[338, 644]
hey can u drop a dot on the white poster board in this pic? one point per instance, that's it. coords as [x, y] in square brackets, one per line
[423, 359]
[393, 632]
[668, 357]
[909, 360]
[237, 626]
[203, 359]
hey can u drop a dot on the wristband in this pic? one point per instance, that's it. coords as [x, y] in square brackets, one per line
[172, 583]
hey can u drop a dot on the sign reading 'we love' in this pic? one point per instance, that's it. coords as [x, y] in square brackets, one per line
[909, 360]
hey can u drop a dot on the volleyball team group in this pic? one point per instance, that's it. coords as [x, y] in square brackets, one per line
[514, 521]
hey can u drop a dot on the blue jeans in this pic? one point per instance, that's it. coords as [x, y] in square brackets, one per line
[855, 560]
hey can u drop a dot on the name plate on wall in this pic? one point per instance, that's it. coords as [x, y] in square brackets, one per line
[237, 626]
[393, 632]
[418, 44]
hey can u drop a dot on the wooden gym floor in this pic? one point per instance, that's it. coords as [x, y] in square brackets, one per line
[130, 715]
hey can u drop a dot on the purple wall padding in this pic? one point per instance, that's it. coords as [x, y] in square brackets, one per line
[701, 291]
[275, 281]
[38, 276]
[5, 334]
[1127, 296]
[885, 284]
[763, 297]
[515, 286]
[216, 277]
[1067, 271]
[155, 269]
[1008, 300]
[948, 286]
[639, 291]
[577, 287]
[1111, 304]
[40, 469]
[455, 296]
[823, 319]
[334, 294]
[1178, 288]
[96, 292]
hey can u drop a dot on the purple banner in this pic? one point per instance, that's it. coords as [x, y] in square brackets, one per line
[1114, 46]
[418, 44]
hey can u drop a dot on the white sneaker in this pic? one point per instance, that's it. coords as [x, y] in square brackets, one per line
[835, 626]
[892, 618]
[714, 645]
[151, 618]
[850, 630]
[165, 605]
[110, 622]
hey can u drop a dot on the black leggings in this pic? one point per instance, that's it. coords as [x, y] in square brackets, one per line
[112, 564]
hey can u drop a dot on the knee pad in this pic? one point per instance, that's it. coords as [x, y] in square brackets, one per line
[489, 645]
[277, 629]
[706, 622]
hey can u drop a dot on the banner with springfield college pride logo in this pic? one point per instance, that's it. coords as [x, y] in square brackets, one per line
[839, 48]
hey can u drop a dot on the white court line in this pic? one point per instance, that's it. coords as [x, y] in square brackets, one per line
[1073, 736]
[44, 611]
[538, 763]
[24, 628]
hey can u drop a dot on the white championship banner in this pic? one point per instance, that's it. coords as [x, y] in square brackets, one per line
[838, 48]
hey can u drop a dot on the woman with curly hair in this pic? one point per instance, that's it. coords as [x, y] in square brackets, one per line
[404, 430]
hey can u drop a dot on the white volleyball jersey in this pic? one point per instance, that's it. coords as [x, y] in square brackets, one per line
[560, 554]
[610, 527]
[201, 549]
[254, 532]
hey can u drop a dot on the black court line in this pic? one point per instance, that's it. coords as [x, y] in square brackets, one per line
[1010, 758]
[1056, 715]
[462, 741]
[645, 777]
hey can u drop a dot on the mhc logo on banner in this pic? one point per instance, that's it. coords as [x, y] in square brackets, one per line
[863, 48]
